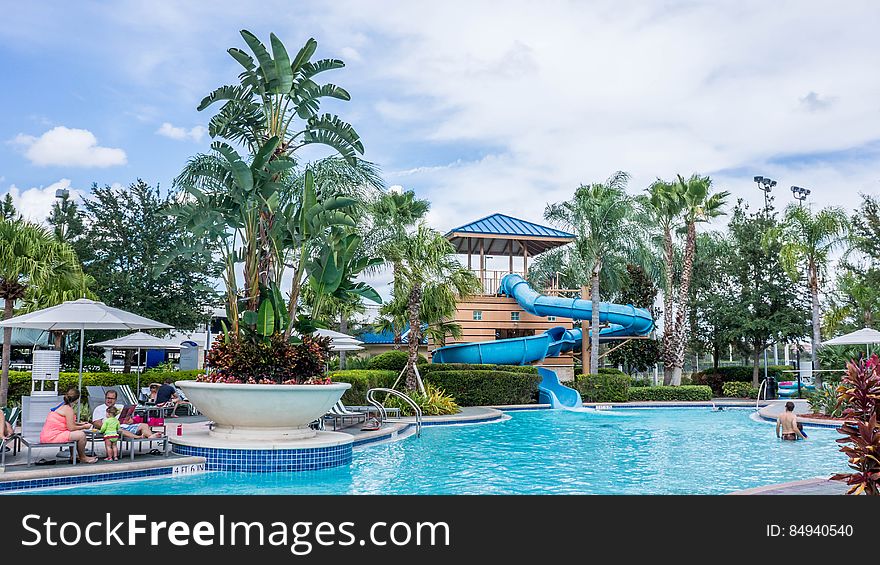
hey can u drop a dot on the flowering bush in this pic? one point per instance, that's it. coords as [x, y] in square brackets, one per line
[859, 391]
[272, 361]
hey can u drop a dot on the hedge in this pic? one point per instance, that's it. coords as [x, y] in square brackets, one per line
[603, 387]
[739, 390]
[610, 371]
[391, 361]
[715, 378]
[651, 393]
[486, 388]
[434, 367]
[20, 381]
[361, 381]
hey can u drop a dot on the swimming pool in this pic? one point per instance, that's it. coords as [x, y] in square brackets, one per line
[622, 451]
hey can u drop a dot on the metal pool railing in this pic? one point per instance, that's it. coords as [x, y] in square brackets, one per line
[407, 399]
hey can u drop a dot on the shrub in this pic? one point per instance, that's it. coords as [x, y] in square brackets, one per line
[391, 361]
[434, 367]
[715, 378]
[272, 360]
[20, 381]
[824, 400]
[610, 371]
[361, 381]
[860, 389]
[603, 387]
[486, 388]
[653, 393]
[434, 402]
[737, 389]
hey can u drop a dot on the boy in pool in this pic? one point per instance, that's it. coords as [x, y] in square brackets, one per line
[788, 423]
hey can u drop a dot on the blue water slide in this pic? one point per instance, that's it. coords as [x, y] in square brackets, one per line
[623, 321]
[554, 393]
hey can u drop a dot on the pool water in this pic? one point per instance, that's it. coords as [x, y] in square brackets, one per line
[622, 451]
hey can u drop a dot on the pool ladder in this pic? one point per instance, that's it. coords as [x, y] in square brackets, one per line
[384, 415]
[762, 388]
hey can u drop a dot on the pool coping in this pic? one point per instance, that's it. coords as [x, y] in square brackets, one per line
[68, 475]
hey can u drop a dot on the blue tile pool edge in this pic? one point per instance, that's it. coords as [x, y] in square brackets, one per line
[50, 482]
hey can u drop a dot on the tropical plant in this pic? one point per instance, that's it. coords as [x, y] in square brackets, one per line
[432, 402]
[713, 311]
[855, 302]
[807, 242]
[274, 361]
[860, 390]
[394, 215]
[261, 212]
[428, 282]
[35, 270]
[677, 208]
[601, 215]
[637, 355]
[824, 400]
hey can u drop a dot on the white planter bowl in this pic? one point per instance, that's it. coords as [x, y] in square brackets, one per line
[262, 412]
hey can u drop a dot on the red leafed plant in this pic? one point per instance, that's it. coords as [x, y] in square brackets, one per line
[860, 389]
[273, 361]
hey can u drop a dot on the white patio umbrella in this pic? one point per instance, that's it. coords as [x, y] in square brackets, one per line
[138, 341]
[82, 314]
[864, 336]
[340, 341]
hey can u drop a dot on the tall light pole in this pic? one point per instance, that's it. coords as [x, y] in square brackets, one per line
[800, 194]
[765, 184]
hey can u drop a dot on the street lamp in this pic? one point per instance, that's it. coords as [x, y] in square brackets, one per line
[765, 184]
[800, 193]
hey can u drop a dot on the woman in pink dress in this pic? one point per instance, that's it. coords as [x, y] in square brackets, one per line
[61, 426]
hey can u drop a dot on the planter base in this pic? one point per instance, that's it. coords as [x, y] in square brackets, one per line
[261, 434]
[322, 451]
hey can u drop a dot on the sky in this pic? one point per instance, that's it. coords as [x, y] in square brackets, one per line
[480, 107]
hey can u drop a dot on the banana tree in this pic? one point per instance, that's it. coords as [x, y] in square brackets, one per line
[256, 213]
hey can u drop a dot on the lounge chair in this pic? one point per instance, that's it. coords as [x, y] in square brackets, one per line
[11, 415]
[340, 412]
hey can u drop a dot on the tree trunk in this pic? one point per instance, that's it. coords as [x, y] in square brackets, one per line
[126, 366]
[343, 327]
[681, 313]
[414, 304]
[7, 351]
[594, 323]
[669, 332]
[756, 359]
[817, 321]
[59, 340]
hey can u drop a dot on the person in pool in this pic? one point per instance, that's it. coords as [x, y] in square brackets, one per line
[788, 424]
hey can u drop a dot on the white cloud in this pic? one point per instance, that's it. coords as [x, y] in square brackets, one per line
[552, 95]
[67, 147]
[195, 133]
[35, 203]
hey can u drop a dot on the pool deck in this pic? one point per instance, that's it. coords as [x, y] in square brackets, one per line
[17, 474]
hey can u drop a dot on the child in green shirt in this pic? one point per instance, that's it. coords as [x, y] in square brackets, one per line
[110, 430]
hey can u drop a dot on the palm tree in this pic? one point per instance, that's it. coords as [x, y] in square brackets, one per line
[676, 208]
[855, 303]
[807, 242]
[601, 215]
[394, 214]
[428, 282]
[699, 205]
[663, 207]
[35, 268]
